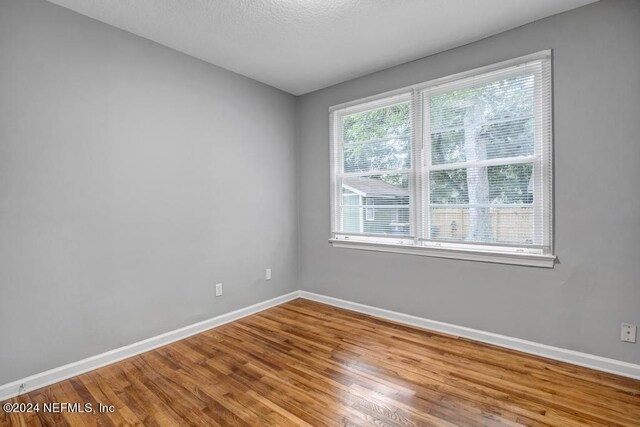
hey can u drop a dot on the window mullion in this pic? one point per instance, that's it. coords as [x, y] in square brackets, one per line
[537, 170]
[425, 164]
[416, 166]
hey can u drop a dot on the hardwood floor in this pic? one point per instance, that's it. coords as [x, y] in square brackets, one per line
[305, 363]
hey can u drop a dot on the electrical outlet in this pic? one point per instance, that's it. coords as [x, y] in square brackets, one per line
[218, 289]
[627, 332]
[267, 274]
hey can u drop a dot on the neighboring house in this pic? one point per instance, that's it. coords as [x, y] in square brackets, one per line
[378, 207]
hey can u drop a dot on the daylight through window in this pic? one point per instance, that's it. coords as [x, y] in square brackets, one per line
[458, 167]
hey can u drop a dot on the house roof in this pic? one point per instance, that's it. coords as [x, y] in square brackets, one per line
[370, 187]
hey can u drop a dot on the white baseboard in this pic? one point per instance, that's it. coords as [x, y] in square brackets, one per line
[61, 373]
[574, 357]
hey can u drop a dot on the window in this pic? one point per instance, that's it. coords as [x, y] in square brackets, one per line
[459, 167]
[371, 212]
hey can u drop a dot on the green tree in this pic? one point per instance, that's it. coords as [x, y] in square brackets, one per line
[379, 140]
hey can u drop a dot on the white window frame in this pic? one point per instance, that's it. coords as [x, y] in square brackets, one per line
[540, 255]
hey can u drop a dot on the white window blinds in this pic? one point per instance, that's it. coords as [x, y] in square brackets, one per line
[462, 163]
[375, 167]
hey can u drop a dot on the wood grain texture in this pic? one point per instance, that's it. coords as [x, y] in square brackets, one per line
[309, 364]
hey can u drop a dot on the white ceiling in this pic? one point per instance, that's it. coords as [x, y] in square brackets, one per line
[303, 45]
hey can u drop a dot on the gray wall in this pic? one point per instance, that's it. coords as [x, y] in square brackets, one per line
[580, 303]
[132, 179]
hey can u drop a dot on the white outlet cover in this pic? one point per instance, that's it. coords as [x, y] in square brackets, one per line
[268, 274]
[218, 289]
[627, 332]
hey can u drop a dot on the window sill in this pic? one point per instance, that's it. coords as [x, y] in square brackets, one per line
[529, 260]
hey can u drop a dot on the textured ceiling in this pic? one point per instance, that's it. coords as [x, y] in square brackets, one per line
[303, 45]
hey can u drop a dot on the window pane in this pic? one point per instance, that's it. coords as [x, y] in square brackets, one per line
[378, 139]
[502, 184]
[493, 120]
[509, 225]
[473, 204]
[447, 146]
[448, 186]
[350, 215]
[376, 204]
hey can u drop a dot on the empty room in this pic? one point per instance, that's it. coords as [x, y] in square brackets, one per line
[319, 212]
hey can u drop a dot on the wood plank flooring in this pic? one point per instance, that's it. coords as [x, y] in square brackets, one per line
[305, 363]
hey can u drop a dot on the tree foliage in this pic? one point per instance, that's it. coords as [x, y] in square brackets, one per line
[379, 140]
[497, 116]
